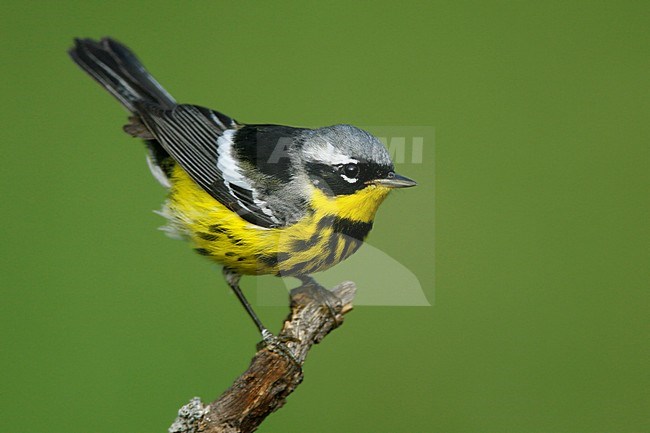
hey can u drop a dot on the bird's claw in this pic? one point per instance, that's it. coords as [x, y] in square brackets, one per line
[325, 298]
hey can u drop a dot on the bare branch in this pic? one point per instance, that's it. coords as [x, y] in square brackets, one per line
[272, 374]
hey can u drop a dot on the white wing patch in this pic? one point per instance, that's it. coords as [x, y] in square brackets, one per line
[232, 175]
[226, 163]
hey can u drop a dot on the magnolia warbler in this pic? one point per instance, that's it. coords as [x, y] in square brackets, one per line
[258, 199]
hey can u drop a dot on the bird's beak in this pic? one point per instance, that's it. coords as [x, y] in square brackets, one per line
[394, 180]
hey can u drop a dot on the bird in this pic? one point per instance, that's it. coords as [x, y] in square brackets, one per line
[255, 198]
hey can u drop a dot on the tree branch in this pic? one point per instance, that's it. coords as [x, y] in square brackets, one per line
[272, 374]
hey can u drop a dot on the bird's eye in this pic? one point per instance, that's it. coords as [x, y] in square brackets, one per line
[351, 170]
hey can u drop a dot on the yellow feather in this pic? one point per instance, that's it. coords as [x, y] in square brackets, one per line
[301, 248]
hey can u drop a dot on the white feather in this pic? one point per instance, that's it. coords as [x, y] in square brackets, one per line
[227, 164]
[216, 120]
[176, 227]
[349, 180]
[158, 173]
[329, 155]
[232, 174]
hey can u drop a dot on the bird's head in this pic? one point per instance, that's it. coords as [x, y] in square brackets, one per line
[343, 160]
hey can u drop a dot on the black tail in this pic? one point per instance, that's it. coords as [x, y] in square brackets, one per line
[117, 69]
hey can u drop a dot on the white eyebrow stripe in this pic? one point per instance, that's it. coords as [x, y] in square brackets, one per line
[329, 155]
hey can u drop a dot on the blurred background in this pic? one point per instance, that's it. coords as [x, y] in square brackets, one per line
[528, 232]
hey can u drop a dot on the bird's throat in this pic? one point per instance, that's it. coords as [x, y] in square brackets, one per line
[360, 206]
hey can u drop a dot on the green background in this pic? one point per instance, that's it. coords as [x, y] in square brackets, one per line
[540, 280]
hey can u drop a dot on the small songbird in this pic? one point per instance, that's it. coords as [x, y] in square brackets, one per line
[258, 199]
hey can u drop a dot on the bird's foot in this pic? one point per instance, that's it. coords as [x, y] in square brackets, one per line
[325, 298]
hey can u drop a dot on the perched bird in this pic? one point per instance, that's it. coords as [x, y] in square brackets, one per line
[258, 199]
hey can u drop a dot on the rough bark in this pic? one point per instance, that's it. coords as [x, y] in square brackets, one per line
[274, 372]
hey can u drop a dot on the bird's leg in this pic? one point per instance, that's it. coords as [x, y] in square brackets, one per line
[269, 340]
[325, 296]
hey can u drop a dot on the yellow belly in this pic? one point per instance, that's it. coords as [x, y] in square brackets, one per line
[315, 243]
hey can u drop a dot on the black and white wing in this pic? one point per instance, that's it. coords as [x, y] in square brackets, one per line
[202, 141]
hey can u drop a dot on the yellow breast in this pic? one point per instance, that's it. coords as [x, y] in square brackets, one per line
[332, 229]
